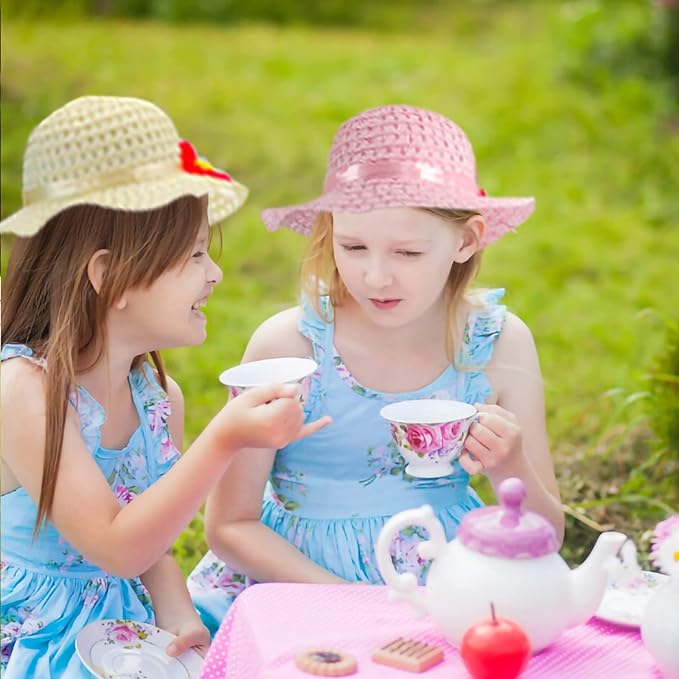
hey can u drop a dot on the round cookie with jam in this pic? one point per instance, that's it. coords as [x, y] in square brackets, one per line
[326, 662]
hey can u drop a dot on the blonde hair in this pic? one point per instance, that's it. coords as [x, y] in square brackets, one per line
[320, 277]
[50, 305]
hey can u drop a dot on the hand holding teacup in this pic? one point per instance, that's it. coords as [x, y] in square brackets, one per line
[283, 370]
[269, 412]
[493, 440]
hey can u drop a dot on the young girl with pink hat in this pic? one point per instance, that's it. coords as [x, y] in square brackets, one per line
[113, 266]
[387, 312]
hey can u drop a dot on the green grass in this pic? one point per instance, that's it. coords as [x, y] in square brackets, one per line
[563, 101]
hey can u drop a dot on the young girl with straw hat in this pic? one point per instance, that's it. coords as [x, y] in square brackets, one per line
[395, 241]
[112, 266]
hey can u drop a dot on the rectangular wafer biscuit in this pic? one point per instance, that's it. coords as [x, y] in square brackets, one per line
[409, 655]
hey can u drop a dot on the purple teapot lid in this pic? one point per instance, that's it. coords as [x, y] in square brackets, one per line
[507, 530]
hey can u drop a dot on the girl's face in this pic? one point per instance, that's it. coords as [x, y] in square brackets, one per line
[168, 313]
[395, 262]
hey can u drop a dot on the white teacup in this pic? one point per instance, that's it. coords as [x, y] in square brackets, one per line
[430, 433]
[285, 370]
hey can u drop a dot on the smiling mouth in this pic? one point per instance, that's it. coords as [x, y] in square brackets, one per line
[200, 304]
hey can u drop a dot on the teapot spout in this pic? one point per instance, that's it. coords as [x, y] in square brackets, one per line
[588, 581]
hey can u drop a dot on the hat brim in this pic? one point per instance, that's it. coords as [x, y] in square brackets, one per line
[224, 198]
[500, 214]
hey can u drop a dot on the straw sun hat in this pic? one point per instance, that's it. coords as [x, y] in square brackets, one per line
[115, 152]
[402, 156]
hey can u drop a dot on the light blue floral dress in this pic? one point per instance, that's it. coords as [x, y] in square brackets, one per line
[49, 591]
[329, 495]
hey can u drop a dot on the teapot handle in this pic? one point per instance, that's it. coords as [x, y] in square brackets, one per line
[404, 585]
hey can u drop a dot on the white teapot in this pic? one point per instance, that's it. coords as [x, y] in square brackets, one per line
[501, 555]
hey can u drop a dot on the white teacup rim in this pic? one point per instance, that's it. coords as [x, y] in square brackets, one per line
[280, 370]
[427, 411]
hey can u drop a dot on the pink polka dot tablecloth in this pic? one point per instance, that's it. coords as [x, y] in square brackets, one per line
[269, 623]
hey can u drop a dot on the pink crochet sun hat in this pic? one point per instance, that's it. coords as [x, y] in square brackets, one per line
[402, 156]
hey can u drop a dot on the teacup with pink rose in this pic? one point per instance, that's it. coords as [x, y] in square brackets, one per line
[430, 433]
[282, 370]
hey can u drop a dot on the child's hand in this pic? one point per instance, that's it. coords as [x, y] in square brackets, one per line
[191, 633]
[493, 440]
[266, 417]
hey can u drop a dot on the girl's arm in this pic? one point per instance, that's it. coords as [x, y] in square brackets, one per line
[173, 608]
[510, 438]
[236, 535]
[174, 611]
[232, 526]
[128, 541]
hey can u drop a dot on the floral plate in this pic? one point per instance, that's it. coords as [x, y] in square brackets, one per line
[123, 649]
[624, 603]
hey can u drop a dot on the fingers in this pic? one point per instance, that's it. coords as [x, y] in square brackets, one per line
[492, 440]
[497, 412]
[313, 427]
[470, 466]
[270, 392]
[183, 642]
[483, 436]
[179, 645]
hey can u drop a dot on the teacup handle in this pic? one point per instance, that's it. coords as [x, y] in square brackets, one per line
[404, 585]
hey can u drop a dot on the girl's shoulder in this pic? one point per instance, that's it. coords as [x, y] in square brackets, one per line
[515, 358]
[515, 341]
[23, 381]
[279, 335]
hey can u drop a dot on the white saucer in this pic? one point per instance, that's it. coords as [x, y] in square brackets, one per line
[123, 649]
[624, 604]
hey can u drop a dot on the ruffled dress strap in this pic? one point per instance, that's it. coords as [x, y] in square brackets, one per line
[152, 400]
[319, 333]
[484, 325]
[21, 350]
[315, 328]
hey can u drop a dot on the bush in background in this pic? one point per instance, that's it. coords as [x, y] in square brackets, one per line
[628, 479]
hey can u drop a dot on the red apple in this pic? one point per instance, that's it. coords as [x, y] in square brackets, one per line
[495, 649]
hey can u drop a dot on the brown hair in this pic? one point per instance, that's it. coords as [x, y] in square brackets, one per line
[50, 305]
[320, 277]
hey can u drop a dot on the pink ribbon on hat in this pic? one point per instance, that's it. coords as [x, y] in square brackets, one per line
[401, 170]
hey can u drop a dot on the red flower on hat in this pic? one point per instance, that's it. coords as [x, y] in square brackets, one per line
[193, 164]
[482, 193]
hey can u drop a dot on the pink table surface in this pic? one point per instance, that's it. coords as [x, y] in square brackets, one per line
[269, 623]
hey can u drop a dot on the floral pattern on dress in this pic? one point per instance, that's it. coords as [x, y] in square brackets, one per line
[215, 574]
[282, 477]
[157, 412]
[142, 593]
[14, 624]
[69, 558]
[383, 461]
[354, 384]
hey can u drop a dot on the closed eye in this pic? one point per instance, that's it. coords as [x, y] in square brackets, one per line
[353, 248]
[409, 253]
